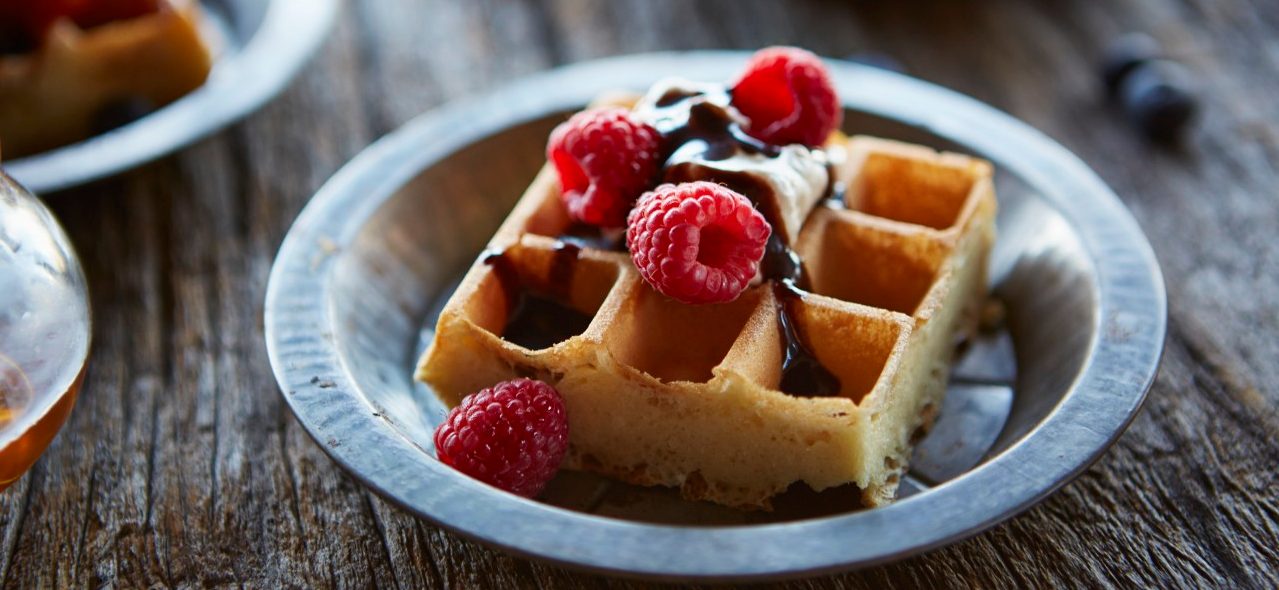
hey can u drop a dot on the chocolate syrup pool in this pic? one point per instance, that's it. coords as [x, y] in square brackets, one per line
[538, 320]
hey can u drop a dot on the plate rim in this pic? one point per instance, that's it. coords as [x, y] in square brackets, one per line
[1120, 368]
[291, 32]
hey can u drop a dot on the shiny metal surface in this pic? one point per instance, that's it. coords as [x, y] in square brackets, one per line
[367, 265]
[258, 46]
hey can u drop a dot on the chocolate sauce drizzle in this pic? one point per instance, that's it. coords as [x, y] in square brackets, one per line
[697, 126]
[802, 373]
[535, 320]
[563, 267]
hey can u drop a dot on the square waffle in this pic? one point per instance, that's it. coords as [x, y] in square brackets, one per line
[663, 393]
[53, 95]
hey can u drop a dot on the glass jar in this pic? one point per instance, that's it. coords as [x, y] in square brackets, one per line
[44, 329]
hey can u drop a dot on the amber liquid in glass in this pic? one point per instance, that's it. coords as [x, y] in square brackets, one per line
[44, 330]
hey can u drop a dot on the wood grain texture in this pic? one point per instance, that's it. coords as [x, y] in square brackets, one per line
[181, 466]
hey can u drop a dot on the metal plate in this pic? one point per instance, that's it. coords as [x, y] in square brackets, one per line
[258, 47]
[366, 266]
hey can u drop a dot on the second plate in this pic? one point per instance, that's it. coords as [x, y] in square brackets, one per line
[259, 46]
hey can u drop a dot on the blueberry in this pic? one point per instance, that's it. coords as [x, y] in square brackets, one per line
[1125, 54]
[1158, 96]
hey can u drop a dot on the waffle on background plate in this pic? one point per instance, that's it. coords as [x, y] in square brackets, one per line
[663, 393]
[72, 82]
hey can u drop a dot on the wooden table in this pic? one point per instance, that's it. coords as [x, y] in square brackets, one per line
[182, 466]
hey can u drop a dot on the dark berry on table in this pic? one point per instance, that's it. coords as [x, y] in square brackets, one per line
[1159, 98]
[1124, 55]
[513, 436]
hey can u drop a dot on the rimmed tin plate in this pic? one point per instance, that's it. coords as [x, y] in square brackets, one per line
[258, 47]
[362, 273]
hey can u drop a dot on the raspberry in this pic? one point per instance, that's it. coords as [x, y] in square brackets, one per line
[698, 242]
[788, 96]
[512, 435]
[605, 158]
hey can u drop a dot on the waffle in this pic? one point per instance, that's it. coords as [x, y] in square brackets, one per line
[55, 95]
[663, 393]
